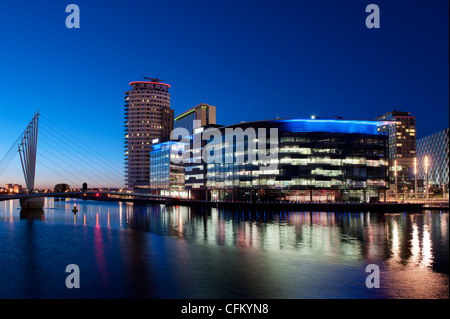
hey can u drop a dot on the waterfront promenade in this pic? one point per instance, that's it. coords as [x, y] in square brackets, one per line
[326, 206]
[389, 206]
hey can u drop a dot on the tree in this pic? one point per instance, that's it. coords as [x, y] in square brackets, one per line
[61, 188]
[436, 190]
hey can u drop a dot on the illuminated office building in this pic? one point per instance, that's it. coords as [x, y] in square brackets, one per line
[195, 166]
[196, 117]
[402, 148]
[435, 147]
[166, 169]
[317, 160]
[195, 120]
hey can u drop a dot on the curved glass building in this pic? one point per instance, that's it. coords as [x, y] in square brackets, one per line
[311, 160]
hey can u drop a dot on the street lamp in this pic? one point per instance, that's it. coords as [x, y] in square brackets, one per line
[415, 177]
[395, 174]
[426, 174]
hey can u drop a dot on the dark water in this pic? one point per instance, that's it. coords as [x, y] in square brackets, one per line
[131, 251]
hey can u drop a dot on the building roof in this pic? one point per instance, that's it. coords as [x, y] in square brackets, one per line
[393, 113]
[316, 125]
[192, 109]
[149, 82]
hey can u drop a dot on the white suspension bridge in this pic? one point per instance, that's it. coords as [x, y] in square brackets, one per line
[69, 158]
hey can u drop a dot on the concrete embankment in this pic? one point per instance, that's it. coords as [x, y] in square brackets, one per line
[280, 206]
[326, 207]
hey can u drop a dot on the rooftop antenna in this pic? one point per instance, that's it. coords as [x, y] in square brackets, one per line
[153, 79]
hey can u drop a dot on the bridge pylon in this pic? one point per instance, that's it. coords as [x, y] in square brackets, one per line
[27, 151]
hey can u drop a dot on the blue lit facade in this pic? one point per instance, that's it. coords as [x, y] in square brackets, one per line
[317, 160]
[330, 126]
[166, 173]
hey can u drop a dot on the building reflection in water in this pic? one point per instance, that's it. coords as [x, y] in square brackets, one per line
[411, 249]
[402, 240]
[399, 239]
[419, 252]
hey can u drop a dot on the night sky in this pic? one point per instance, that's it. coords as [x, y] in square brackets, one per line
[253, 60]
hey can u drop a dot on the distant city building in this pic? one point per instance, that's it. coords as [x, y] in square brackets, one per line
[61, 188]
[18, 188]
[14, 188]
[198, 116]
[402, 148]
[85, 187]
[148, 116]
[435, 147]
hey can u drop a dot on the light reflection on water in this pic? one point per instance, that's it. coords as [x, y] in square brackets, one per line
[128, 251]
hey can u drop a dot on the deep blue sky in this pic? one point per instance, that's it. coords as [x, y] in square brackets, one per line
[253, 59]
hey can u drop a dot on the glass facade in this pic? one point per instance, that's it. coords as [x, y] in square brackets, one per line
[166, 171]
[199, 116]
[337, 160]
[195, 167]
[436, 147]
[187, 122]
[326, 160]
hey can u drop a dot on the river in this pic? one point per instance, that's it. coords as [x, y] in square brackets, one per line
[124, 250]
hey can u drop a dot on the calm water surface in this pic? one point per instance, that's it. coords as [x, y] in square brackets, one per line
[135, 251]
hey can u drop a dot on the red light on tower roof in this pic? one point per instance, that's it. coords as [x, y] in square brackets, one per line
[151, 81]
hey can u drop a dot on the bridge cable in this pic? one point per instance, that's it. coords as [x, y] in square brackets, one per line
[86, 146]
[106, 179]
[112, 176]
[65, 178]
[81, 159]
[12, 152]
[73, 168]
[53, 162]
[9, 156]
[6, 161]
